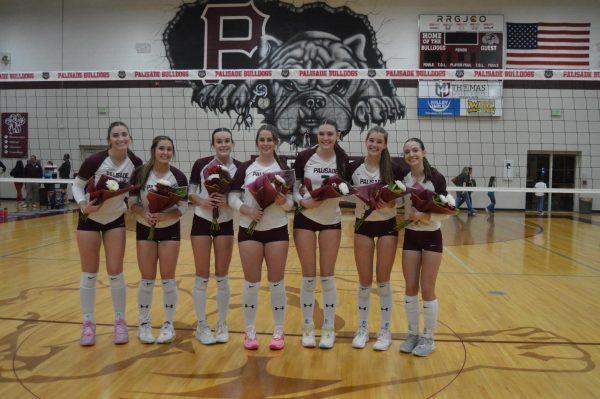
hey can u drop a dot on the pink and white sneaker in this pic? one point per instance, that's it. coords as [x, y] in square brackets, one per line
[88, 333]
[121, 334]
[250, 341]
[277, 341]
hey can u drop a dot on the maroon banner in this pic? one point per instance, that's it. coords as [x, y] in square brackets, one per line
[15, 131]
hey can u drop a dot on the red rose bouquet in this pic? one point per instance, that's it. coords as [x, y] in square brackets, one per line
[370, 194]
[426, 201]
[106, 188]
[162, 197]
[267, 187]
[332, 187]
[217, 179]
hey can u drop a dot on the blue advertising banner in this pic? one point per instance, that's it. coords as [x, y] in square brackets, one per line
[438, 106]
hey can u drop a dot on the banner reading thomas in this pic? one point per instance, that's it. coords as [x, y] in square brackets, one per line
[15, 131]
[267, 35]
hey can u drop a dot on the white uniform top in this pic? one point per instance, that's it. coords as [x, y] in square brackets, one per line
[95, 166]
[361, 176]
[177, 179]
[540, 185]
[309, 165]
[274, 216]
[437, 184]
[197, 187]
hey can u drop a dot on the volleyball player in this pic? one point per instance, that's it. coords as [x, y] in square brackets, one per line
[269, 241]
[163, 247]
[375, 234]
[422, 252]
[319, 221]
[104, 224]
[203, 238]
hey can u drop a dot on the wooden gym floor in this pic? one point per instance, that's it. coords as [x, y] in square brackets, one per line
[519, 303]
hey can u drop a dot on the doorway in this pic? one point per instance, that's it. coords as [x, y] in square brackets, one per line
[557, 170]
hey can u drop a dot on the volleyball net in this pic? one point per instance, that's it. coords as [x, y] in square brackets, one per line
[519, 126]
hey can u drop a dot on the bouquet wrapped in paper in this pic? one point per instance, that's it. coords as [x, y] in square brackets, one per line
[106, 188]
[217, 179]
[424, 200]
[371, 194]
[267, 187]
[162, 197]
[332, 187]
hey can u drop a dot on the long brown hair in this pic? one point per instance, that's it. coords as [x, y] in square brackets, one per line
[115, 124]
[141, 173]
[386, 173]
[428, 169]
[275, 134]
[341, 158]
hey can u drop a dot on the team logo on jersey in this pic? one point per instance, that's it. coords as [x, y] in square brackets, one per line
[265, 35]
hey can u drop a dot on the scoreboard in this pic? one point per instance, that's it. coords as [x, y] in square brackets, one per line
[461, 41]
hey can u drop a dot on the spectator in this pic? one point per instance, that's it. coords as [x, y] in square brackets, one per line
[33, 170]
[540, 185]
[491, 208]
[464, 180]
[65, 170]
[18, 172]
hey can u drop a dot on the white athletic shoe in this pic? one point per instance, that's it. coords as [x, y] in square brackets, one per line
[384, 340]
[145, 332]
[409, 343]
[204, 334]
[167, 333]
[308, 337]
[361, 338]
[327, 338]
[425, 347]
[221, 333]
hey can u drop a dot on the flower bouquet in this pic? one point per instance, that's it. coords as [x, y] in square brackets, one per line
[217, 179]
[106, 188]
[370, 194]
[162, 197]
[426, 201]
[332, 187]
[267, 187]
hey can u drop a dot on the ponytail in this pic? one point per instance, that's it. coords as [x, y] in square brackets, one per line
[386, 173]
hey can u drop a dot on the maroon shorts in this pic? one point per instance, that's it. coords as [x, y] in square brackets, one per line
[302, 222]
[169, 233]
[267, 236]
[423, 240]
[201, 227]
[91, 225]
[378, 228]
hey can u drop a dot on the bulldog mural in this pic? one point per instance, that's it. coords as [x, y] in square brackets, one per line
[296, 107]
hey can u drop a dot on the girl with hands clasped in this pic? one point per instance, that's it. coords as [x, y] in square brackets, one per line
[104, 224]
[263, 235]
[158, 235]
[219, 236]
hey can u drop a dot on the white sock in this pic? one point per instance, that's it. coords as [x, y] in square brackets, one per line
[223, 295]
[169, 287]
[87, 294]
[277, 289]
[385, 303]
[411, 306]
[145, 298]
[119, 295]
[329, 301]
[364, 303]
[307, 299]
[250, 298]
[430, 315]
[199, 298]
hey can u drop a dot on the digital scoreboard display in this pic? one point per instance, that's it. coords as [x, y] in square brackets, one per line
[461, 41]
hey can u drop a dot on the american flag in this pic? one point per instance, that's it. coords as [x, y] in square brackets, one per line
[546, 45]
